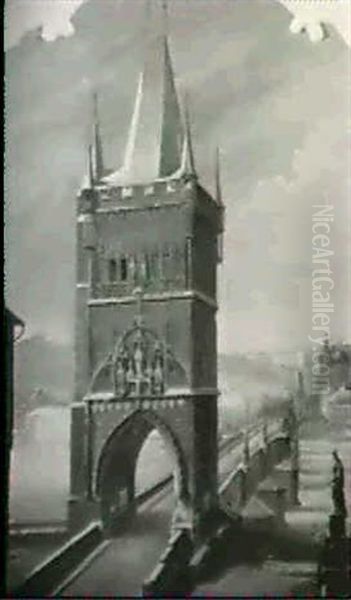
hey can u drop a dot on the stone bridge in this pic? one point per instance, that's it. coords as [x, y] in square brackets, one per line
[262, 479]
[258, 477]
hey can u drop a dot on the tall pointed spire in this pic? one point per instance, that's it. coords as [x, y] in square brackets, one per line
[155, 139]
[97, 152]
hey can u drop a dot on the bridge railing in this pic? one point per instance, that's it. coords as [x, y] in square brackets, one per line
[269, 444]
[264, 446]
[172, 569]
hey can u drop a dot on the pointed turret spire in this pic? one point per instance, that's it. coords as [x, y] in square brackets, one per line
[96, 150]
[188, 163]
[91, 166]
[88, 179]
[155, 139]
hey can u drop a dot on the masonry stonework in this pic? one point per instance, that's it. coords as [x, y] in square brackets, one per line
[146, 357]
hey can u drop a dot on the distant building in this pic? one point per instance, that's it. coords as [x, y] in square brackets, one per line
[337, 357]
[340, 364]
[337, 409]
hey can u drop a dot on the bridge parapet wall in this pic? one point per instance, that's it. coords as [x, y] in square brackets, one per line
[278, 449]
[243, 481]
[256, 471]
[172, 569]
[233, 491]
[78, 443]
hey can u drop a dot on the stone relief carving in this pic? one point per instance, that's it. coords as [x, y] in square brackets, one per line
[140, 366]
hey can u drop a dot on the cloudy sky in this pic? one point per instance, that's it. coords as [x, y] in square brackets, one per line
[53, 15]
[276, 103]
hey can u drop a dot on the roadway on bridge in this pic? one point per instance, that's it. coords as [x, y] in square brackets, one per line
[126, 561]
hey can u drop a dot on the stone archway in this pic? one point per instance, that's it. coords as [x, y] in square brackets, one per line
[115, 477]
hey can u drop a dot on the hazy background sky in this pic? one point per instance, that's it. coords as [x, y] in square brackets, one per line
[277, 105]
[53, 15]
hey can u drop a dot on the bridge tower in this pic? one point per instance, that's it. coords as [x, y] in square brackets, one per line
[148, 245]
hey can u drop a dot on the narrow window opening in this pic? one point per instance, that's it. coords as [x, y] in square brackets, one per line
[154, 265]
[112, 270]
[166, 260]
[124, 269]
[147, 268]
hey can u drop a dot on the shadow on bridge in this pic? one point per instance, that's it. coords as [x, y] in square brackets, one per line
[243, 545]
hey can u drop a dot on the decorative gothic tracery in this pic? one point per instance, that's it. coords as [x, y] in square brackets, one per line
[139, 366]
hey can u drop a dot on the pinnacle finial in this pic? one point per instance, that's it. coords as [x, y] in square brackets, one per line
[90, 167]
[96, 107]
[97, 152]
[164, 17]
[88, 177]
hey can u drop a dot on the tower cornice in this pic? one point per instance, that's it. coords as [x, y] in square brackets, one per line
[156, 297]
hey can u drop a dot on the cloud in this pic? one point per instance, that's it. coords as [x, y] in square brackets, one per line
[276, 105]
[316, 16]
[52, 16]
[273, 224]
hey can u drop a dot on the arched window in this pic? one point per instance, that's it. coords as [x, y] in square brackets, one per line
[124, 268]
[112, 270]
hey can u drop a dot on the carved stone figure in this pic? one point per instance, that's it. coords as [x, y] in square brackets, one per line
[120, 375]
[158, 371]
[338, 486]
[139, 366]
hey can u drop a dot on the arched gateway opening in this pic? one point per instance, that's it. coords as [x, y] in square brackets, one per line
[117, 468]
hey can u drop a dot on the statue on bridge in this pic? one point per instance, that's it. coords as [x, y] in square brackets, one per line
[333, 565]
[290, 422]
[338, 481]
